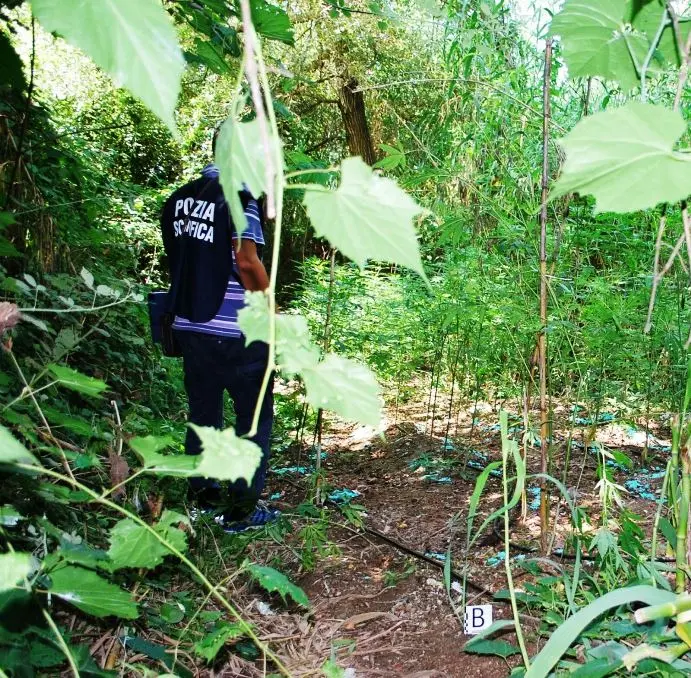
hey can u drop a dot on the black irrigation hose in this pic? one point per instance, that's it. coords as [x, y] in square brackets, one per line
[407, 549]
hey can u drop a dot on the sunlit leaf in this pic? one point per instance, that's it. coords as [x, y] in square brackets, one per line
[91, 593]
[148, 450]
[210, 645]
[132, 545]
[395, 157]
[295, 350]
[76, 381]
[225, 456]
[12, 451]
[276, 582]
[271, 21]
[241, 158]
[134, 41]
[206, 54]
[598, 41]
[367, 217]
[253, 319]
[347, 388]
[87, 277]
[625, 158]
[14, 568]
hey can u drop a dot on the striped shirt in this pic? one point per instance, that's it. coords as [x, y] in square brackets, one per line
[225, 322]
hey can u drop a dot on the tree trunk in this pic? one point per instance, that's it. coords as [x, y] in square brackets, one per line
[352, 105]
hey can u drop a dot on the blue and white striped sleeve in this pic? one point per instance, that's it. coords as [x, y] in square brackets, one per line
[254, 225]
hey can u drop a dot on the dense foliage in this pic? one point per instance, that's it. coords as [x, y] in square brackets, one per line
[422, 269]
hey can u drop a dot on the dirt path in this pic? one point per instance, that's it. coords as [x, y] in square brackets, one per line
[382, 612]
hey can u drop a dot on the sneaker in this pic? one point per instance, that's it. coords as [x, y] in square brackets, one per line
[260, 517]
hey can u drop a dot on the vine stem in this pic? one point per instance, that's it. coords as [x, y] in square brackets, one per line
[649, 56]
[61, 642]
[213, 590]
[277, 186]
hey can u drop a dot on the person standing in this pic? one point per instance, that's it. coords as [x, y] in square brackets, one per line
[210, 269]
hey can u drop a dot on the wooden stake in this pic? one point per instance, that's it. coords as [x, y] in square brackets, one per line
[542, 340]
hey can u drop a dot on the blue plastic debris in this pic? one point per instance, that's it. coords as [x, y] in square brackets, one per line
[441, 557]
[302, 470]
[275, 496]
[493, 561]
[603, 418]
[344, 496]
[434, 478]
[498, 559]
[641, 489]
[448, 446]
[535, 493]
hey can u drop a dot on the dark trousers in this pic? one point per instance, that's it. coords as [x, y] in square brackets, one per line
[213, 365]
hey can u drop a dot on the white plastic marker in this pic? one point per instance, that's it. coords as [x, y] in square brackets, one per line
[477, 618]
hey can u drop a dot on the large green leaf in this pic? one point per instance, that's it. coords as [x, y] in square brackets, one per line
[132, 40]
[253, 319]
[367, 217]
[14, 568]
[148, 450]
[275, 581]
[12, 451]
[91, 593]
[132, 545]
[345, 387]
[625, 158]
[76, 381]
[241, 159]
[598, 40]
[206, 54]
[271, 21]
[210, 645]
[225, 456]
[571, 629]
[295, 349]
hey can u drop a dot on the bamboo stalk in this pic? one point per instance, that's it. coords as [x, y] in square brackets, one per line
[542, 340]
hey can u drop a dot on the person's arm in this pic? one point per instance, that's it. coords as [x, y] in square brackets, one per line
[250, 267]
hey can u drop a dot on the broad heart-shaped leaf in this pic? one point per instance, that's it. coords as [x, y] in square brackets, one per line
[225, 456]
[367, 217]
[132, 545]
[275, 581]
[271, 21]
[253, 319]
[595, 34]
[12, 451]
[76, 381]
[134, 41]
[624, 158]
[241, 160]
[148, 448]
[91, 593]
[347, 388]
[295, 350]
[14, 568]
